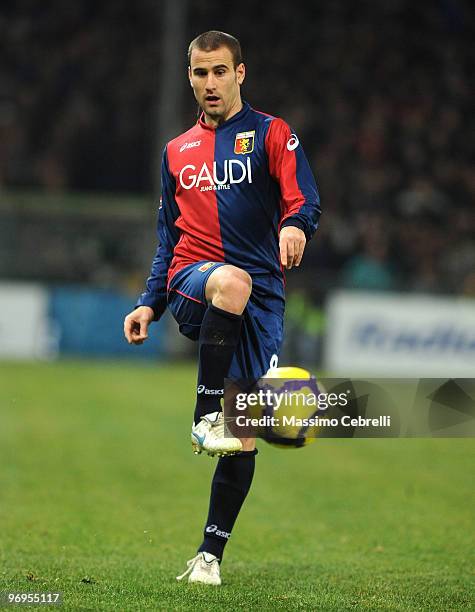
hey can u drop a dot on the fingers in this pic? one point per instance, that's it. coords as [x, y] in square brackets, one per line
[283, 251]
[286, 251]
[131, 330]
[300, 253]
[136, 326]
[292, 246]
[135, 331]
[290, 253]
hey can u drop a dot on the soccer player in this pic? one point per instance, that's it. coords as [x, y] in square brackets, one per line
[239, 202]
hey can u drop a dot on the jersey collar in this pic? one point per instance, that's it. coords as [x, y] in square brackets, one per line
[244, 110]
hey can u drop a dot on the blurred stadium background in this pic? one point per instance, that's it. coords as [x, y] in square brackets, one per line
[379, 95]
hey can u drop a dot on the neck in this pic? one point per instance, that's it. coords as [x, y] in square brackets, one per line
[214, 122]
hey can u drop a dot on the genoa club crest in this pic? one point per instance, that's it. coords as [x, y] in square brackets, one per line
[244, 142]
[206, 266]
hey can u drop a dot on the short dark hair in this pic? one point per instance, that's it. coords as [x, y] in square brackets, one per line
[212, 40]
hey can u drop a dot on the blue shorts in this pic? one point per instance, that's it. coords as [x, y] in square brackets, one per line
[263, 318]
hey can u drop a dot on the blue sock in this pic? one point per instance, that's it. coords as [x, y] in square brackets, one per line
[219, 337]
[231, 483]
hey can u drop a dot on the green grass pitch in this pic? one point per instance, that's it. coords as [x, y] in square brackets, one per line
[102, 499]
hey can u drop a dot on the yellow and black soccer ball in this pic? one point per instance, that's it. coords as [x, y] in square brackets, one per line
[294, 417]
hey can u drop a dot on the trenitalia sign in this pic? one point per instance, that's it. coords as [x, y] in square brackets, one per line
[35, 337]
[400, 335]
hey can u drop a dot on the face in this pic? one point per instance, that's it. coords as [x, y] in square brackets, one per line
[216, 84]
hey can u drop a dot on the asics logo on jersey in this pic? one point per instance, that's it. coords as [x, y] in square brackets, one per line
[202, 389]
[207, 179]
[218, 532]
[292, 142]
[190, 145]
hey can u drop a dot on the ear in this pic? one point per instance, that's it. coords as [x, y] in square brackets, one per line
[241, 73]
[189, 76]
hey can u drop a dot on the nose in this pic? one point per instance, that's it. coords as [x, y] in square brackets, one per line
[210, 82]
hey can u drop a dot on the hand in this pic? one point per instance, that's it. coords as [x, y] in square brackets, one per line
[136, 324]
[292, 244]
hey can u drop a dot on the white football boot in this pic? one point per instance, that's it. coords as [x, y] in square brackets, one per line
[208, 435]
[203, 568]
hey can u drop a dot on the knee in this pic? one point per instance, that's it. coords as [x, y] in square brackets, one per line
[229, 288]
[236, 283]
[233, 285]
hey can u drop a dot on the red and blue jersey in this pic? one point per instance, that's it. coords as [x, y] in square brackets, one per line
[226, 193]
